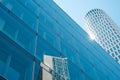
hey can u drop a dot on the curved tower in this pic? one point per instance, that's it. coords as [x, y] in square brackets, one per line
[104, 31]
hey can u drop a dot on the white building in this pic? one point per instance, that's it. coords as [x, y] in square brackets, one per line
[104, 31]
[54, 68]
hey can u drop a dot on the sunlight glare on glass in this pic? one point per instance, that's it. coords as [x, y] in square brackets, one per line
[92, 37]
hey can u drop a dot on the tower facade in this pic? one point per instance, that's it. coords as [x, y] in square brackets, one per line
[104, 31]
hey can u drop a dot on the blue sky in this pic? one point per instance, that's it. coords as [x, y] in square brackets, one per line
[77, 9]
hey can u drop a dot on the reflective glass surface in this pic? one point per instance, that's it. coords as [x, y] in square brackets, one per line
[31, 28]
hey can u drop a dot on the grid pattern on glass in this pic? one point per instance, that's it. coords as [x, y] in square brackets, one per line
[60, 67]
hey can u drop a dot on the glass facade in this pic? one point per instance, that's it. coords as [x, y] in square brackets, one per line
[30, 29]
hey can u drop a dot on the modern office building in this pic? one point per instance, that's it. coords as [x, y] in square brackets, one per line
[104, 31]
[54, 65]
[31, 29]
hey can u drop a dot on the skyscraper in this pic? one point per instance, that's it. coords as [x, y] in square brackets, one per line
[104, 31]
[30, 29]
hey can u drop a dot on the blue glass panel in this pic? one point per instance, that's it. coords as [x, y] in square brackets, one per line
[49, 22]
[76, 73]
[38, 72]
[42, 16]
[12, 60]
[88, 68]
[16, 31]
[29, 4]
[2, 62]
[26, 39]
[12, 76]
[44, 47]
[51, 37]
[101, 76]
[70, 53]
[21, 12]
[38, 2]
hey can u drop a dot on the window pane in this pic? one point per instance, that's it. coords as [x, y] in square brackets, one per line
[16, 31]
